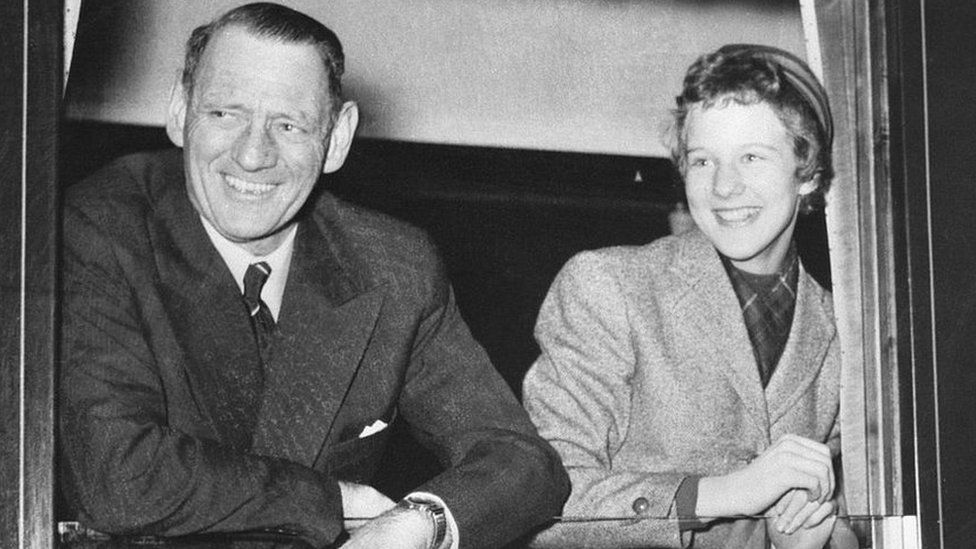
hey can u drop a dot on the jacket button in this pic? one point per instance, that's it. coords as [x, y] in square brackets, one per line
[641, 506]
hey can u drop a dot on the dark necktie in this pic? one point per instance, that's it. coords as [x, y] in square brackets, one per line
[261, 319]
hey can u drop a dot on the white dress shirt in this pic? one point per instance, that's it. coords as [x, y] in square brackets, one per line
[238, 259]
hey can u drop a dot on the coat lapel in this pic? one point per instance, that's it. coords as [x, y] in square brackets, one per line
[327, 319]
[708, 314]
[207, 315]
[810, 336]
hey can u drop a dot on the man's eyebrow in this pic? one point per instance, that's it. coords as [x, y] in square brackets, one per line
[298, 116]
[219, 104]
[211, 99]
[294, 115]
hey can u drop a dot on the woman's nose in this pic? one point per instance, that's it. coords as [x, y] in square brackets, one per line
[727, 180]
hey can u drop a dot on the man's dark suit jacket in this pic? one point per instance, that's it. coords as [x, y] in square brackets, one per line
[153, 323]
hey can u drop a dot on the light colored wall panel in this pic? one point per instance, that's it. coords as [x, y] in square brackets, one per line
[576, 75]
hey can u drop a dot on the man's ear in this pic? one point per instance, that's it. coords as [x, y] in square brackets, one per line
[341, 138]
[176, 113]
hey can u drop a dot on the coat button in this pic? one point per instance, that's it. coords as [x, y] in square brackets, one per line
[641, 506]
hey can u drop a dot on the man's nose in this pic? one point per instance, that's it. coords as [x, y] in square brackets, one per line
[727, 180]
[255, 149]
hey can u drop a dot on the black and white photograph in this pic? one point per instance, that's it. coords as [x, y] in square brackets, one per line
[515, 274]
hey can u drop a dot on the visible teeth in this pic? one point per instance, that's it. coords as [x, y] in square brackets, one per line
[247, 187]
[737, 215]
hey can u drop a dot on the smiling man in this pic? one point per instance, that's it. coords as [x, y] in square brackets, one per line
[236, 343]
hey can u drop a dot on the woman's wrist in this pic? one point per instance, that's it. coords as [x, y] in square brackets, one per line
[716, 498]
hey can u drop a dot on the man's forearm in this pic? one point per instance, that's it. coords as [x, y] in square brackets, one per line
[503, 490]
[172, 484]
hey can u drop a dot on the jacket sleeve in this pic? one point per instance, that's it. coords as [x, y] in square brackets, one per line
[129, 470]
[578, 393]
[500, 479]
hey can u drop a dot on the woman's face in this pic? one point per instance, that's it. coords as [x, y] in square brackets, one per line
[740, 181]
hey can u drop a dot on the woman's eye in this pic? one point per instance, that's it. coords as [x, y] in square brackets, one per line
[751, 157]
[698, 162]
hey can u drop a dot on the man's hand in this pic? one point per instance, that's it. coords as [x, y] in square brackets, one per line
[397, 528]
[791, 462]
[795, 522]
[360, 503]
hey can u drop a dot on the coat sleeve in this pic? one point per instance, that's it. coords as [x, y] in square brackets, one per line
[578, 393]
[129, 469]
[501, 479]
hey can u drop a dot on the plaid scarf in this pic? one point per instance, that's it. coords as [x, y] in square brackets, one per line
[768, 303]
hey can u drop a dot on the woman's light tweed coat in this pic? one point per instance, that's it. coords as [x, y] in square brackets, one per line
[647, 375]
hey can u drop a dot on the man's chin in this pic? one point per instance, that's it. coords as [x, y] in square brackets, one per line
[260, 242]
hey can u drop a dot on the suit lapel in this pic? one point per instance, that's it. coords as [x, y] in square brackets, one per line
[206, 313]
[326, 322]
[809, 340]
[708, 314]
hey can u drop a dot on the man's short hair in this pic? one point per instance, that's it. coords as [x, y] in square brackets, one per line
[750, 74]
[276, 22]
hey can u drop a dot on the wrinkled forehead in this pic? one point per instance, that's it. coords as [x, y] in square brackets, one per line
[239, 44]
[241, 66]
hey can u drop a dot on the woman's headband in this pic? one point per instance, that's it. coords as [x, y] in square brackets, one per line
[798, 74]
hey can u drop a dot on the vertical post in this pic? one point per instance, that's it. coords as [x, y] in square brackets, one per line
[830, 38]
[851, 41]
[11, 125]
[916, 293]
[30, 81]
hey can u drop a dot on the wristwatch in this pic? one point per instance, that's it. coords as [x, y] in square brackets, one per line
[432, 510]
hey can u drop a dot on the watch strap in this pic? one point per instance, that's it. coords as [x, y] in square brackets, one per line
[433, 510]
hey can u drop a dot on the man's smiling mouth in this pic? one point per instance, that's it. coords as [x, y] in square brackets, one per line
[247, 187]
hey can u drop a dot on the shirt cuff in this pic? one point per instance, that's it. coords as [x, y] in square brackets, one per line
[451, 524]
[685, 503]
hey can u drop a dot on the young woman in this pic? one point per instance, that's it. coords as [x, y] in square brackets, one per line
[693, 381]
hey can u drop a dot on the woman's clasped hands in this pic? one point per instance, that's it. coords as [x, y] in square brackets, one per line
[792, 483]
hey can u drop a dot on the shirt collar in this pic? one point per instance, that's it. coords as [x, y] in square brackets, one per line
[237, 260]
[749, 285]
